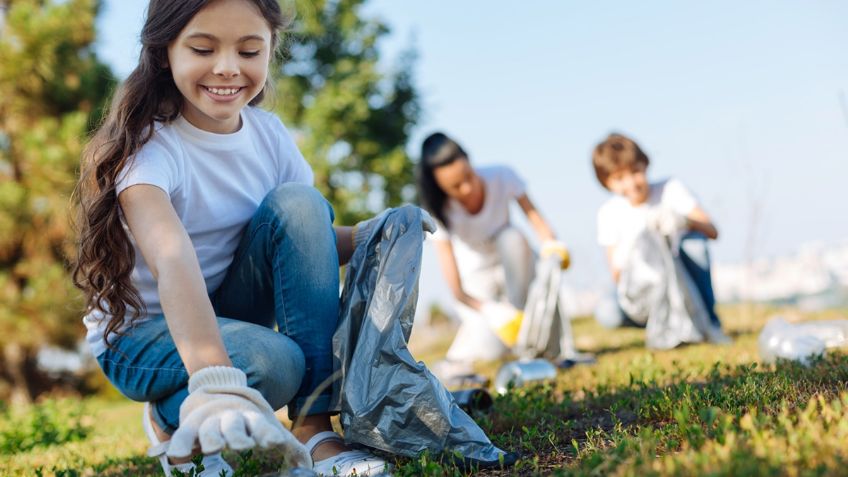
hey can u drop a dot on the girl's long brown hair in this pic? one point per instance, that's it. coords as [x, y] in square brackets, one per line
[105, 255]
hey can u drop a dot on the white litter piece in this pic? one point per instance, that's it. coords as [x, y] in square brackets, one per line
[800, 342]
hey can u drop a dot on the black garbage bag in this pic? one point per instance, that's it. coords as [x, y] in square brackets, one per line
[387, 399]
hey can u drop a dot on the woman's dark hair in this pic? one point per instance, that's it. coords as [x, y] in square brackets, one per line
[105, 255]
[436, 151]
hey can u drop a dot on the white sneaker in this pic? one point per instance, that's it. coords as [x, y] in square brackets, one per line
[347, 463]
[213, 464]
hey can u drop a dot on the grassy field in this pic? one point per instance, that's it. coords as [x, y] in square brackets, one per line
[695, 410]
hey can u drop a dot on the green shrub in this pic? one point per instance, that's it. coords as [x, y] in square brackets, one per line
[48, 423]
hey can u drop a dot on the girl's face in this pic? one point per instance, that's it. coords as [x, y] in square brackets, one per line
[220, 62]
[458, 180]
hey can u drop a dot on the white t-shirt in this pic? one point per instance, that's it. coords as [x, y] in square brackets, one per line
[619, 222]
[471, 234]
[215, 182]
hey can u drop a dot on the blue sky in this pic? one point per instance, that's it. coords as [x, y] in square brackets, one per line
[739, 100]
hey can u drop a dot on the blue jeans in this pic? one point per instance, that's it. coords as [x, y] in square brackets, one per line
[284, 275]
[695, 256]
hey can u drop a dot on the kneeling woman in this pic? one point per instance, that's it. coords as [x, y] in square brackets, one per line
[486, 261]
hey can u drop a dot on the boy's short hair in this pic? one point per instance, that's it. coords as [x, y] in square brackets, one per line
[615, 152]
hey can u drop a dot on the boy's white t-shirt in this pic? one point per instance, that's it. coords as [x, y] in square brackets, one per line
[619, 222]
[472, 234]
[216, 183]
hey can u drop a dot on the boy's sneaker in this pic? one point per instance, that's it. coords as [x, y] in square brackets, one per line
[716, 336]
[213, 464]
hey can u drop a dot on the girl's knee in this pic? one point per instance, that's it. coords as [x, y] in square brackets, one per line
[298, 202]
[275, 367]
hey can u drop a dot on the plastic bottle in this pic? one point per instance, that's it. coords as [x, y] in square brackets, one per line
[522, 372]
[800, 341]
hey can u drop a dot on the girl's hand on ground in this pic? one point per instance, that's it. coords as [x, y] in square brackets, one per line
[221, 411]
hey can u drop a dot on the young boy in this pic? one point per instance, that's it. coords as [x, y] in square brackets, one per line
[667, 206]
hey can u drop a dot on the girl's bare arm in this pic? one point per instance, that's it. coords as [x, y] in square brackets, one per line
[168, 252]
[344, 242]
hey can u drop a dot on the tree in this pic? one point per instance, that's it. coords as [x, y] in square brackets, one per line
[352, 122]
[52, 90]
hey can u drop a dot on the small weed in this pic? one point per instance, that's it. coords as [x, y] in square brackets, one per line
[45, 424]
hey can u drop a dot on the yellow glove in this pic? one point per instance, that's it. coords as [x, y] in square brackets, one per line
[505, 321]
[558, 249]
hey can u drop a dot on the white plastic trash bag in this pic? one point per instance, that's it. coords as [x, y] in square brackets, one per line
[475, 339]
[800, 342]
[654, 289]
[546, 329]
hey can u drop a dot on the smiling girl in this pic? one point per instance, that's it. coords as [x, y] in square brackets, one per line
[209, 262]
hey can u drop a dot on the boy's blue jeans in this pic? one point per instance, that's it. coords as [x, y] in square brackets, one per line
[285, 274]
[696, 259]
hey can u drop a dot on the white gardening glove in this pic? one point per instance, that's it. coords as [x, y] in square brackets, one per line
[666, 221]
[222, 412]
[362, 230]
[504, 319]
[558, 249]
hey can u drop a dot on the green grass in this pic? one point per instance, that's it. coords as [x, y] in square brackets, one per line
[50, 423]
[694, 410]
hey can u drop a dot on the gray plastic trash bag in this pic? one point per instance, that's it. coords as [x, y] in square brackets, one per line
[387, 399]
[546, 329]
[654, 289]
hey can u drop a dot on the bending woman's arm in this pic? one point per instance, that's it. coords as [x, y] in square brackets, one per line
[539, 224]
[169, 254]
[447, 261]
